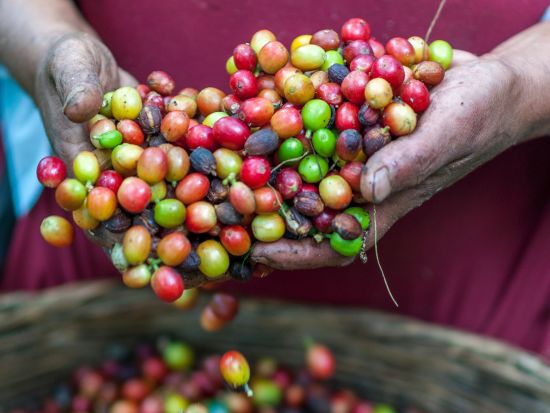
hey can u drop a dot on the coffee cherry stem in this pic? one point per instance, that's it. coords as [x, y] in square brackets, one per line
[154, 263]
[230, 179]
[291, 160]
[319, 237]
[247, 390]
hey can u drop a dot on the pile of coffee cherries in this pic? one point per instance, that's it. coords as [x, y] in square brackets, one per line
[167, 377]
[188, 180]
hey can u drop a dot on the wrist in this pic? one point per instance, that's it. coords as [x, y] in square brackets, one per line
[526, 58]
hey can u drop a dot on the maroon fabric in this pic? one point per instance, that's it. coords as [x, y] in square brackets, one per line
[474, 257]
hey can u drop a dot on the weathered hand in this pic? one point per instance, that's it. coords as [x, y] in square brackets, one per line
[71, 80]
[470, 120]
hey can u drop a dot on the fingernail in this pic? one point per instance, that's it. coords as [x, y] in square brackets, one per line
[73, 97]
[381, 187]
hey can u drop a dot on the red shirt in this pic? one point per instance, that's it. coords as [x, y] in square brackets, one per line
[475, 256]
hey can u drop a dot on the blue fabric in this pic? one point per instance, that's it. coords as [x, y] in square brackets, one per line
[25, 142]
[546, 15]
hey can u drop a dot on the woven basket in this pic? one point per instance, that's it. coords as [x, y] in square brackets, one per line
[383, 357]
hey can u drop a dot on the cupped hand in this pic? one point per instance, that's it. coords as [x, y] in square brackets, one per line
[71, 80]
[470, 120]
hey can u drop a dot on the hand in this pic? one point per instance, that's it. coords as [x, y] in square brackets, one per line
[470, 120]
[71, 80]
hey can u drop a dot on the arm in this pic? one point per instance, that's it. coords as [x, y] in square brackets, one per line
[484, 105]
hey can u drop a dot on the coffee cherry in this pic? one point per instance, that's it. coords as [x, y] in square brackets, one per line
[441, 52]
[137, 277]
[324, 142]
[51, 171]
[167, 284]
[389, 68]
[323, 221]
[231, 104]
[57, 231]
[291, 148]
[268, 227]
[243, 84]
[313, 168]
[101, 203]
[378, 93]
[420, 46]
[347, 117]
[287, 122]
[255, 172]
[415, 94]
[174, 125]
[227, 162]
[362, 62]
[355, 29]
[330, 93]
[402, 50]
[173, 249]
[169, 213]
[192, 188]
[125, 157]
[126, 103]
[272, 57]
[200, 217]
[131, 132]
[235, 369]
[400, 118]
[430, 73]
[256, 111]
[282, 76]
[242, 198]
[201, 135]
[161, 82]
[375, 139]
[348, 144]
[230, 66]
[308, 57]
[355, 49]
[210, 321]
[235, 240]
[298, 89]
[136, 244]
[184, 104]
[267, 200]
[327, 39]
[260, 39]
[134, 195]
[83, 219]
[335, 192]
[70, 194]
[86, 167]
[244, 57]
[337, 72]
[178, 164]
[188, 299]
[320, 362]
[152, 165]
[351, 172]
[210, 100]
[316, 114]
[288, 183]
[225, 306]
[214, 259]
[231, 133]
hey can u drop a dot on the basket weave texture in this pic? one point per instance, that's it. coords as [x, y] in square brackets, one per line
[383, 357]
